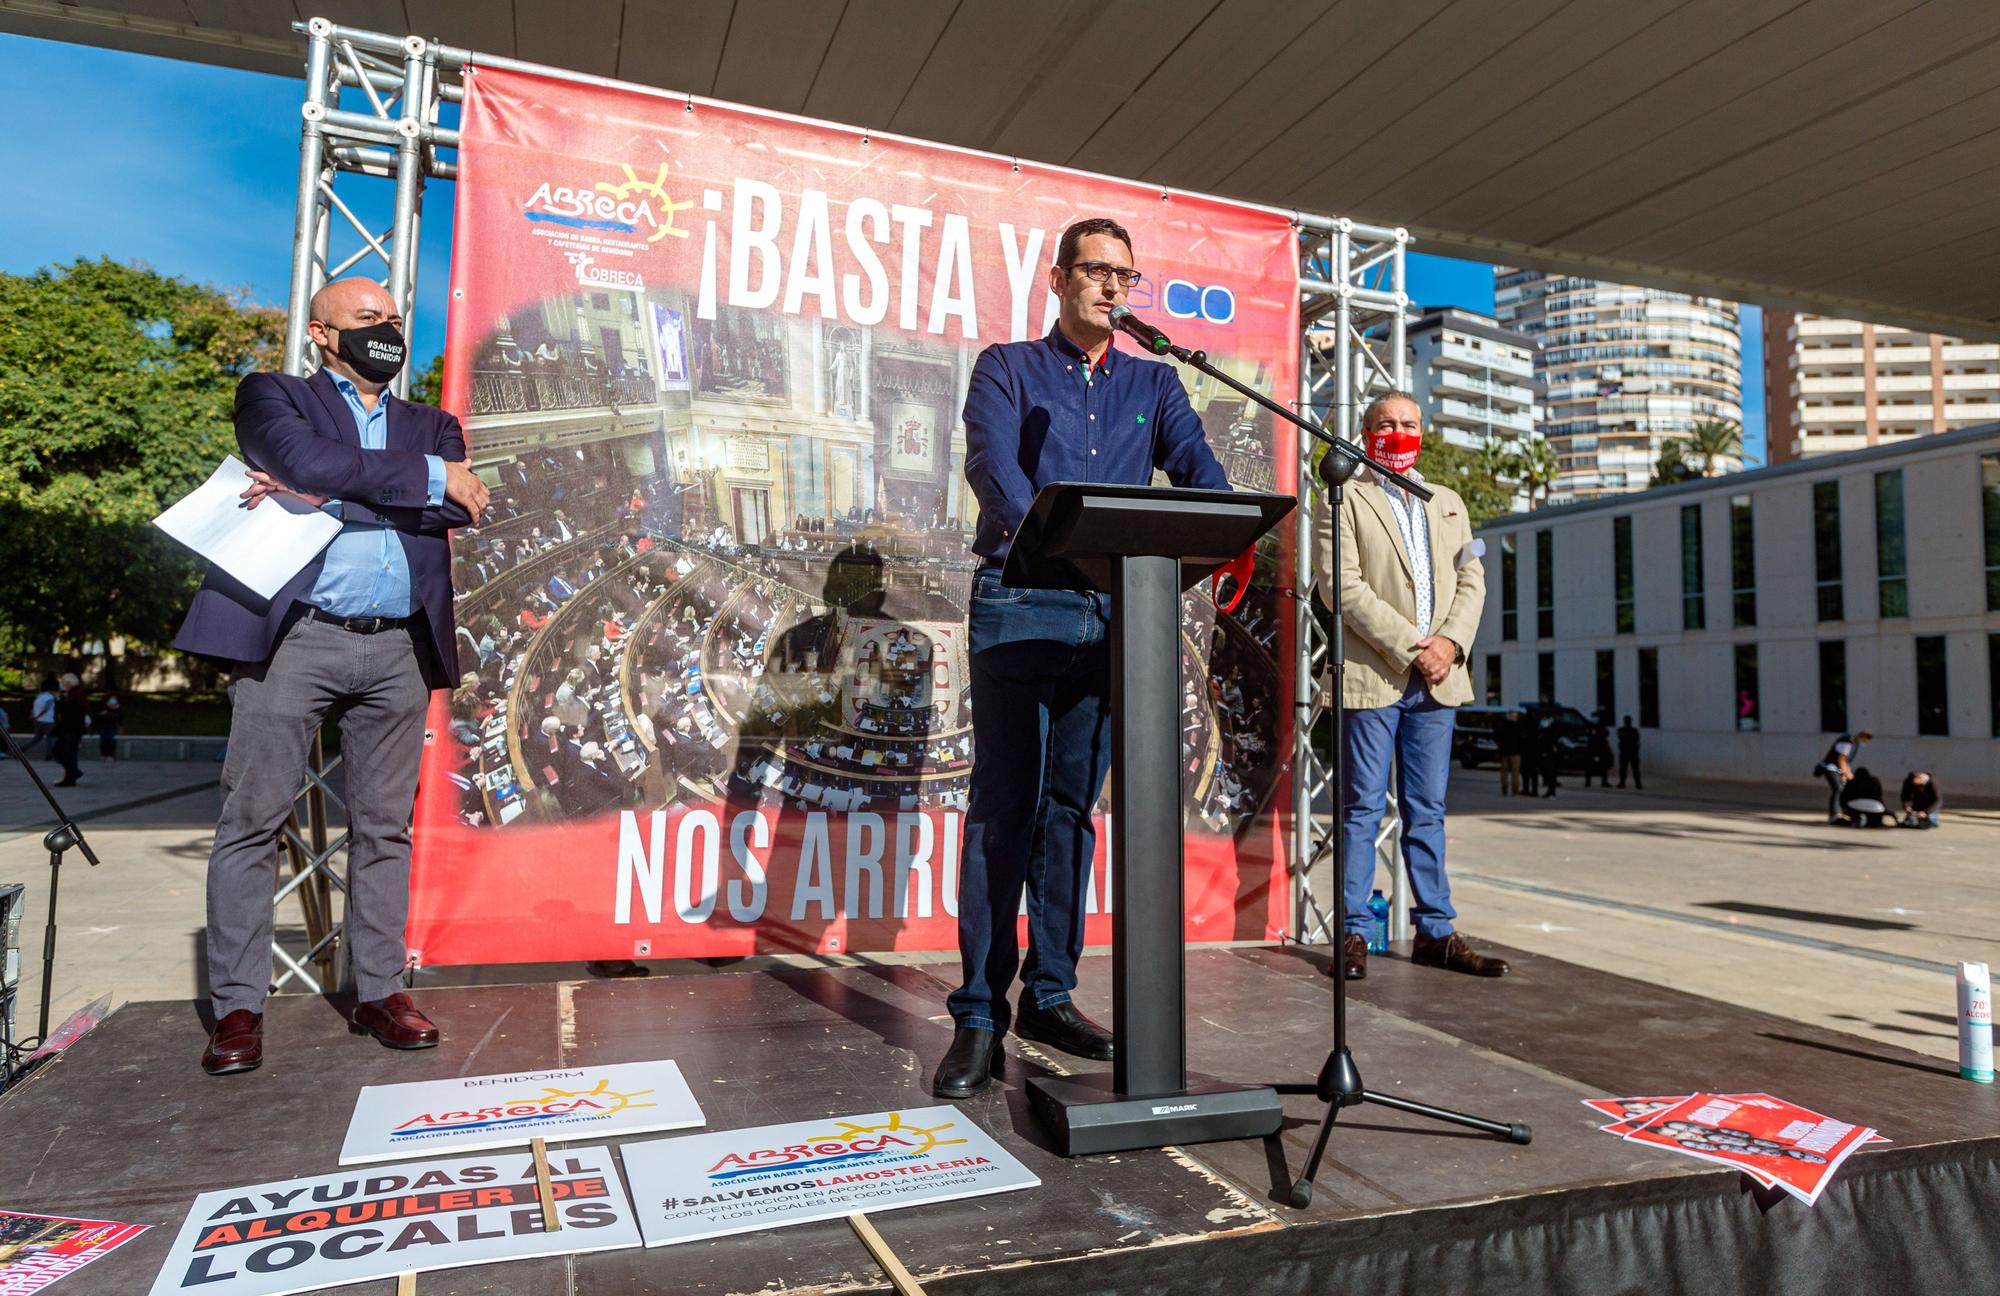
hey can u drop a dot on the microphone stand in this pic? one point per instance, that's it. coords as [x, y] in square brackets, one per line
[58, 839]
[1339, 1084]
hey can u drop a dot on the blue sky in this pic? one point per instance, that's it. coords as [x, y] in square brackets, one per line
[191, 169]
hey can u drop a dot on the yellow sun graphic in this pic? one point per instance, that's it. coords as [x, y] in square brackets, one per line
[602, 1093]
[849, 1131]
[657, 189]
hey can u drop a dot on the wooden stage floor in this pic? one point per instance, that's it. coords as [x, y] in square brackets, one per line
[125, 1127]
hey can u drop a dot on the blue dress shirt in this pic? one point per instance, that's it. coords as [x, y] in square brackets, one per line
[1039, 412]
[366, 572]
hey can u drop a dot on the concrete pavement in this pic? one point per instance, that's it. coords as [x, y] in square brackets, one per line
[1737, 892]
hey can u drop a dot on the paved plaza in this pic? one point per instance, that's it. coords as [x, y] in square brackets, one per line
[1733, 892]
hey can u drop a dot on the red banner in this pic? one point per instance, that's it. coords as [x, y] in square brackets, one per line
[712, 362]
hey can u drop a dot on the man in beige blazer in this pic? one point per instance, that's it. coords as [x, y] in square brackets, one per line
[1411, 587]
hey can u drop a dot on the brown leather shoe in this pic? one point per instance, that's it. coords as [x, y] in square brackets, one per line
[1353, 957]
[396, 1022]
[236, 1044]
[1452, 953]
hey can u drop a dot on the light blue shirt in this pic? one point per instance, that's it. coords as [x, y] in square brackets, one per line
[1413, 523]
[367, 573]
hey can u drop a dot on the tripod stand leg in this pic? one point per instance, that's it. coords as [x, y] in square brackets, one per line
[1513, 1133]
[1302, 1187]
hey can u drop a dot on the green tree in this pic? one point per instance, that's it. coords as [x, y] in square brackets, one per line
[116, 385]
[427, 384]
[1539, 469]
[1466, 471]
[1672, 465]
[1714, 439]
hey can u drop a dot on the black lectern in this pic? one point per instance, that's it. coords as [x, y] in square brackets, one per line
[1143, 545]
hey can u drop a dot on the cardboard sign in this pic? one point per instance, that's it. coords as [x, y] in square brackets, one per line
[300, 1235]
[37, 1250]
[738, 1181]
[560, 1104]
[1779, 1142]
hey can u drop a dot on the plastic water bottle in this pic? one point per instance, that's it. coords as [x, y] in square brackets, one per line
[1975, 1023]
[1378, 925]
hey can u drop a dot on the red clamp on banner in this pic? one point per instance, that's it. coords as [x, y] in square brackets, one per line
[1237, 570]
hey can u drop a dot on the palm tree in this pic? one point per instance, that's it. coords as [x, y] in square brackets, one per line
[1714, 439]
[1496, 459]
[1672, 465]
[1538, 468]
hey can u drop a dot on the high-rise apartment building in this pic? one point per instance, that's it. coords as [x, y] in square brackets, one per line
[1475, 380]
[1625, 370]
[1835, 384]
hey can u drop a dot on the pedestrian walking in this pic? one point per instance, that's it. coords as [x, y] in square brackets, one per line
[72, 717]
[1628, 754]
[42, 715]
[1529, 741]
[1507, 738]
[1551, 756]
[1597, 756]
[109, 720]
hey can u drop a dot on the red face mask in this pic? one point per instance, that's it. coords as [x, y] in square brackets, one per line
[1395, 449]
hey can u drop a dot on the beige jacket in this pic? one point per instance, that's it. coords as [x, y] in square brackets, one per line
[1378, 596]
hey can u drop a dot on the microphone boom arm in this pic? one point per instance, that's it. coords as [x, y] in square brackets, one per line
[1355, 458]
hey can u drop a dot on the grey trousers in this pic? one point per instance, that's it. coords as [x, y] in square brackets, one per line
[372, 684]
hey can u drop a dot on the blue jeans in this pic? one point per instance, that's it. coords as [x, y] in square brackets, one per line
[1041, 732]
[1415, 733]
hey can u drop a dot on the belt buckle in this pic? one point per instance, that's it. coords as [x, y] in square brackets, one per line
[365, 625]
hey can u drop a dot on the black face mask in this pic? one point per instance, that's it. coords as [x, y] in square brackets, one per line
[376, 352]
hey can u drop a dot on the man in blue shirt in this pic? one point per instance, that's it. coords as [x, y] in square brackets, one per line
[1065, 408]
[364, 632]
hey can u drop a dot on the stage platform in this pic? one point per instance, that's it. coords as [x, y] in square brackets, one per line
[126, 1127]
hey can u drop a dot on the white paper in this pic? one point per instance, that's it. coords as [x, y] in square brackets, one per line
[557, 1103]
[301, 1235]
[709, 1185]
[262, 547]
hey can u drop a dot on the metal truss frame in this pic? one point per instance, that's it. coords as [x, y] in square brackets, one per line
[1353, 317]
[372, 107]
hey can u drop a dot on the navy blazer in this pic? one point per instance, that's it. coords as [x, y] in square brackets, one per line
[301, 431]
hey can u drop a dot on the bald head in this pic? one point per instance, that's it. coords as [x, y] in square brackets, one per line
[340, 301]
[352, 305]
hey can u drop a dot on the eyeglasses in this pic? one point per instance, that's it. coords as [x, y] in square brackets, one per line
[1101, 272]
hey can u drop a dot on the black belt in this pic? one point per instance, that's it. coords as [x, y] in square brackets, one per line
[359, 625]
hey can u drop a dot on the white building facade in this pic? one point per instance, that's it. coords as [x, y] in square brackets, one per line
[1626, 369]
[1832, 385]
[1475, 380]
[1744, 621]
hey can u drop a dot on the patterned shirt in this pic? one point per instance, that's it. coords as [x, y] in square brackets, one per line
[1414, 526]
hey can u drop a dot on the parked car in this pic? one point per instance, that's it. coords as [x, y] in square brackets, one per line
[1475, 743]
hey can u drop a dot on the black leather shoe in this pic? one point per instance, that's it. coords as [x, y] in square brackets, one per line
[1065, 1028]
[974, 1058]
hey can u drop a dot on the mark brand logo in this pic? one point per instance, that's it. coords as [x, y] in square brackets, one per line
[598, 1101]
[848, 1145]
[1173, 1109]
[622, 207]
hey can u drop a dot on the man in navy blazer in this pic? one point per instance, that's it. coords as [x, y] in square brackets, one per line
[363, 633]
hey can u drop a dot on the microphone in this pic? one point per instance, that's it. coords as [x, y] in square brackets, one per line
[1149, 337]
